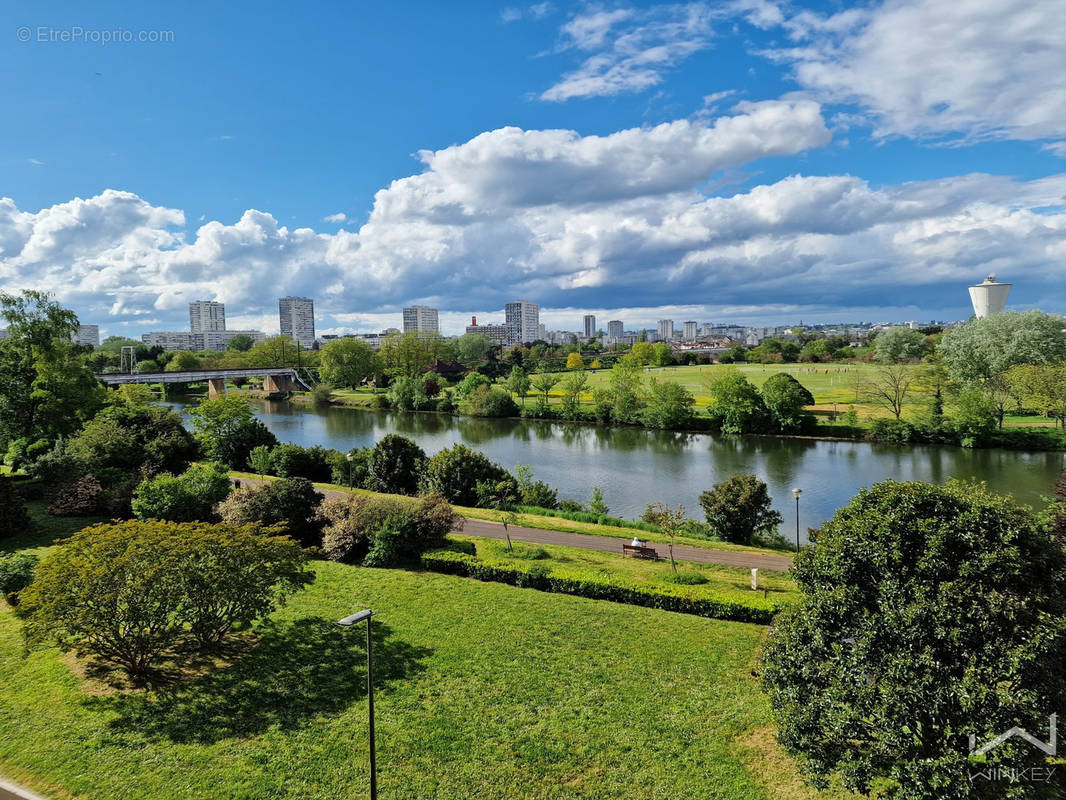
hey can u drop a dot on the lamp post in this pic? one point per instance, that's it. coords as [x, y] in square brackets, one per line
[796, 493]
[351, 481]
[348, 622]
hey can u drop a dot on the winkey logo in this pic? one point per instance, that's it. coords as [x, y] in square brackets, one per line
[1050, 747]
[1025, 774]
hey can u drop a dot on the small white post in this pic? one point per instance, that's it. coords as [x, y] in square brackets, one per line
[754, 579]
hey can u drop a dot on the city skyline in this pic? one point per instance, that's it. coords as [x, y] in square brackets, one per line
[763, 168]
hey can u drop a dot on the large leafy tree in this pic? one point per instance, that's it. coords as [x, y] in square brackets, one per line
[455, 472]
[785, 399]
[47, 389]
[736, 405]
[739, 511]
[627, 390]
[347, 362]
[930, 614]
[668, 405]
[228, 431]
[983, 349]
[395, 465]
[411, 354]
[134, 438]
[899, 344]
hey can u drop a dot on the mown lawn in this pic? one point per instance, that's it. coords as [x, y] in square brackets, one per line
[483, 691]
[726, 582]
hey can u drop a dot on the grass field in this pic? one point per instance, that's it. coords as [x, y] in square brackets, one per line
[482, 690]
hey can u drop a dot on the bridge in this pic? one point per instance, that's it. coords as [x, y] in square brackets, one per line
[275, 379]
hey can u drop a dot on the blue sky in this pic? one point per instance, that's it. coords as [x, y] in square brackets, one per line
[745, 161]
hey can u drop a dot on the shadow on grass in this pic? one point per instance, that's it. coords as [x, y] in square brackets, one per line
[298, 670]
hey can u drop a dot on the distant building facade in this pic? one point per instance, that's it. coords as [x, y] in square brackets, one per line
[206, 316]
[420, 318]
[296, 316]
[615, 329]
[504, 335]
[86, 334]
[691, 331]
[525, 318]
[665, 329]
[590, 326]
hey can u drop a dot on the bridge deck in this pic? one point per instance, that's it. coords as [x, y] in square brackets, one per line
[199, 375]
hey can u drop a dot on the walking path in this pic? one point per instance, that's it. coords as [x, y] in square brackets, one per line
[606, 544]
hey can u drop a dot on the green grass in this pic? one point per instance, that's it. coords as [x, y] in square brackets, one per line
[730, 583]
[482, 690]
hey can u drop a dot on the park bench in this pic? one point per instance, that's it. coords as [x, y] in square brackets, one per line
[643, 551]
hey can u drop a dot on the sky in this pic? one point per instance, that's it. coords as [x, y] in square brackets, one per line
[749, 161]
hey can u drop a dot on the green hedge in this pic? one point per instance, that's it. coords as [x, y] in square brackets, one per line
[697, 600]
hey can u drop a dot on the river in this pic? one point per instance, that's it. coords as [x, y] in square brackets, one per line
[635, 466]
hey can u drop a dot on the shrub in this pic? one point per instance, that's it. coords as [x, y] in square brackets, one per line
[135, 439]
[322, 395]
[738, 510]
[289, 502]
[455, 472]
[13, 516]
[921, 603]
[395, 465]
[681, 598]
[488, 401]
[294, 461]
[686, 578]
[896, 431]
[468, 384]
[16, 573]
[57, 466]
[415, 525]
[531, 492]
[188, 497]
[259, 460]
[351, 468]
[128, 592]
[82, 498]
[407, 394]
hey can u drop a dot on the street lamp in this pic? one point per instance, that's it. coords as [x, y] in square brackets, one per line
[348, 622]
[351, 481]
[796, 493]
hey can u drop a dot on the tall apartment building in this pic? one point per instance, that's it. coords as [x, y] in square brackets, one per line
[88, 334]
[420, 318]
[500, 334]
[665, 329]
[692, 330]
[206, 316]
[297, 318]
[525, 318]
[615, 329]
[590, 326]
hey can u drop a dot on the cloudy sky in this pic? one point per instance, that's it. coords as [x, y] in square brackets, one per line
[745, 161]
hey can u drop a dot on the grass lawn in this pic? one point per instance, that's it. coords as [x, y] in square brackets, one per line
[727, 582]
[483, 691]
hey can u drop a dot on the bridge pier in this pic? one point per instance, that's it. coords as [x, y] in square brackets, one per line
[216, 387]
[279, 383]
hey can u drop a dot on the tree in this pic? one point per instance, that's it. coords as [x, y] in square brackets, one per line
[518, 382]
[739, 510]
[544, 382]
[289, 505]
[188, 497]
[1041, 388]
[407, 394]
[627, 389]
[663, 355]
[669, 405]
[347, 362]
[930, 615]
[183, 361]
[889, 386]
[736, 405]
[46, 388]
[241, 343]
[596, 505]
[974, 415]
[670, 522]
[455, 472]
[573, 385]
[13, 516]
[489, 401]
[643, 353]
[899, 344]
[786, 398]
[228, 431]
[468, 384]
[129, 592]
[472, 347]
[395, 465]
[276, 351]
[575, 361]
[985, 348]
[259, 460]
[412, 353]
[136, 439]
[531, 492]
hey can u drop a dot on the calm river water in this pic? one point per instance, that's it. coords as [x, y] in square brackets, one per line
[634, 466]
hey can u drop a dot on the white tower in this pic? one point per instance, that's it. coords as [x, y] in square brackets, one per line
[989, 297]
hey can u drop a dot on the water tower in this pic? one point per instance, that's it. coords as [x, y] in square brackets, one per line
[989, 297]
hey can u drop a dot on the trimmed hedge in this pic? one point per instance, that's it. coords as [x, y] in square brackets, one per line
[683, 599]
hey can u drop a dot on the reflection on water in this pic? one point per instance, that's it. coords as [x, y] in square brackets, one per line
[635, 466]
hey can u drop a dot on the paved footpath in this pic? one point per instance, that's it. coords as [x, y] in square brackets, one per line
[605, 544]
